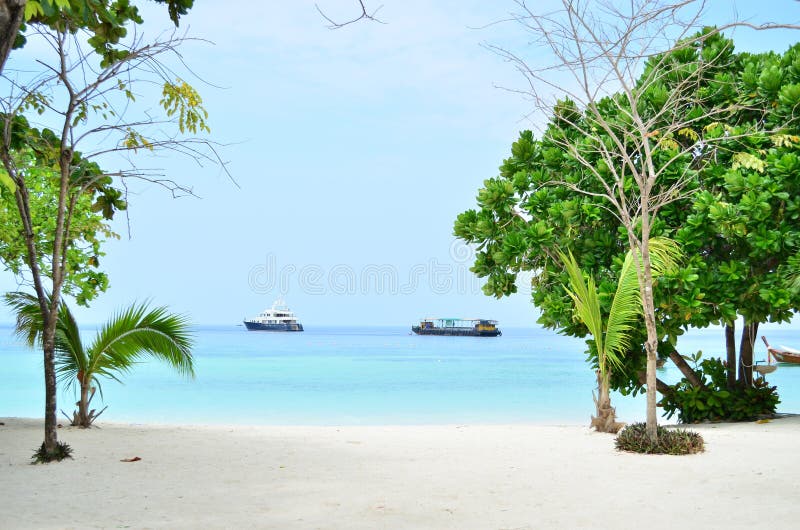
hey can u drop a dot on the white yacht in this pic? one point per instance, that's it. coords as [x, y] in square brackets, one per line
[276, 318]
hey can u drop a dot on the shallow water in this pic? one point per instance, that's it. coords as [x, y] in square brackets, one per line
[348, 376]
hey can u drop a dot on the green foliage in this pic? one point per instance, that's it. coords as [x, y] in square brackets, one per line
[129, 336]
[739, 227]
[93, 201]
[43, 456]
[714, 402]
[106, 20]
[612, 336]
[7, 181]
[181, 99]
[634, 439]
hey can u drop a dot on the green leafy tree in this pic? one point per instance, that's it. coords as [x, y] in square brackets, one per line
[88, 100]
[611, 335]
[743, 224]
[116, 58]
[622, 149]
[129, 336]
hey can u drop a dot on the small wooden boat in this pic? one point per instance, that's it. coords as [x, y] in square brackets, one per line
[782, 354]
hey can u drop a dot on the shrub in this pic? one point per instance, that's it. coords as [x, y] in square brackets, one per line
[715, 402]
[41, 456]
[634, 439]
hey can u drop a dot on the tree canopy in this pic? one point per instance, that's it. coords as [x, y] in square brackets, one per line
[730, 169]
[106, 20]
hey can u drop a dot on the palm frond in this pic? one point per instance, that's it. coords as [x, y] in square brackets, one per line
[612, 339]
[66, 370]
[29, 320]
[790, 273]
[625, 309]
[665, 254]
[71, 357]
[587, 302]
[627, 304]
[138, 331]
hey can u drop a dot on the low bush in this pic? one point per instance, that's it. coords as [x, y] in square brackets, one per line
[41, 456]
[715, 402]
[634, 439]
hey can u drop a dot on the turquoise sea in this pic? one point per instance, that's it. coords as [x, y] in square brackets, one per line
[347, 376]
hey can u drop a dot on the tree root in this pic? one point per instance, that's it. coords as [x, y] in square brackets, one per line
[75, 421]
[606, 419]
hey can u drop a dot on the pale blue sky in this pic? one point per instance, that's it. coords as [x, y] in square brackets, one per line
[354, 151]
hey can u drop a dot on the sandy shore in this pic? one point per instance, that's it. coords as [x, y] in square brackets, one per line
[518, 476]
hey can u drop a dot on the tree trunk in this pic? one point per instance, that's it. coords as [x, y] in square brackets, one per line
[661, 386]
[50, 425]
[606, 419]
[49, 347]
[49, 312]
[83, 404]
[652, 419]
[749, 333]
[651, 346]
[11, 15]
[644, 275]
[685, 369]
[730, 348]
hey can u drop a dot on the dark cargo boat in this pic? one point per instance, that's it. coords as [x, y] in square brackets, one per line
[458, 327]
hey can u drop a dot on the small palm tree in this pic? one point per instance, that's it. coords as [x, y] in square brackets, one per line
[611, 338]
[130, 335]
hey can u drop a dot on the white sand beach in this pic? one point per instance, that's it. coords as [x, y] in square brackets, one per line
[513, 476]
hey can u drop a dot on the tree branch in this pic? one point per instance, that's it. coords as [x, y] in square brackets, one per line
[332, 24]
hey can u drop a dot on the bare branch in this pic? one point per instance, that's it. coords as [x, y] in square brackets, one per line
[332, 24]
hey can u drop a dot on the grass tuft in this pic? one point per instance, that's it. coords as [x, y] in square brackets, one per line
[41, 456]
[634, 439]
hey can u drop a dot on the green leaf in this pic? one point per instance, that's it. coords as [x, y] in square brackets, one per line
[7, 181]
[748, 161]
[33, 8]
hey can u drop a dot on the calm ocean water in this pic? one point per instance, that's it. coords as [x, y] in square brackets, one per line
[346, 376]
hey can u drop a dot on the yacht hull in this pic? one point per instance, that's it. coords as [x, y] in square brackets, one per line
[258, 326]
